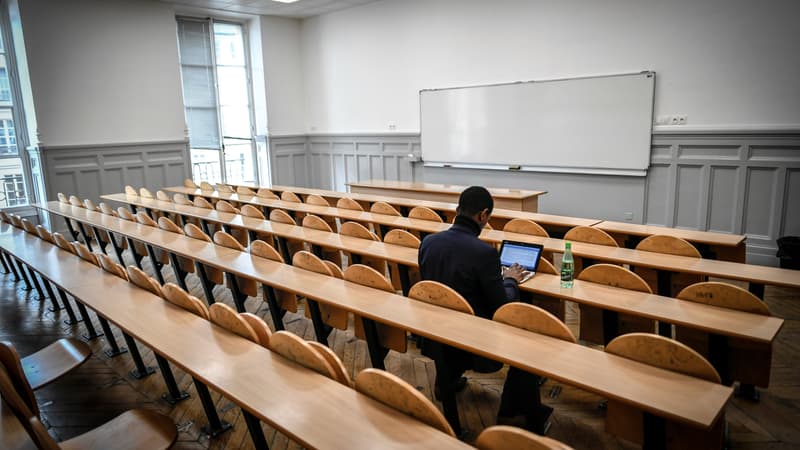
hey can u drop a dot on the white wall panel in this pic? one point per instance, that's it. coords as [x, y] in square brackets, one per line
[723, 208]
[759, 203]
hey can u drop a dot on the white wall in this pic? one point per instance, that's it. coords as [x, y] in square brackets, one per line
[280, 43]
[103, 71]
[724, 63]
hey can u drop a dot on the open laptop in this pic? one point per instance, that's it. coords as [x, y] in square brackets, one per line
[525, 254]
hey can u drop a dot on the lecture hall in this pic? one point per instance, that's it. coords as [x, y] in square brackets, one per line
[368, 224]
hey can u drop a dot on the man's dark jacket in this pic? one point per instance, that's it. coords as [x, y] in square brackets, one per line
[457, 258]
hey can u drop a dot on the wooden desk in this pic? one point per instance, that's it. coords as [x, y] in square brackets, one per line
[516, 199]
[680, 312]
[662, 393]
[757, 276]
[722, 246]
[274, 389]
[553, 223]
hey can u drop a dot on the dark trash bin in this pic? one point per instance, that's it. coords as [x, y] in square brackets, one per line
[789, 252]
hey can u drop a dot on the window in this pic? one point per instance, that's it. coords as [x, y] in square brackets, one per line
[216, 96]
[13, 169]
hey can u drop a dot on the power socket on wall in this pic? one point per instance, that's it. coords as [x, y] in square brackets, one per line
[672, 119]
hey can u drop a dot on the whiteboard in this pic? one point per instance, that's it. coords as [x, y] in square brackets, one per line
[596, 124]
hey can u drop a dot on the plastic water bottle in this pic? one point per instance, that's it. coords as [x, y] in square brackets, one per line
[567, 267]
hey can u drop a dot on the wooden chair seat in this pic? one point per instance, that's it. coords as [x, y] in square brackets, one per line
[384, 208]
[293, 246]
[669, 245]
[182, 299]
[502, 437]
[266, 193]
[163, 196]
[206, 186]
[189, 183]
[294, 348]
[349, 203]
[63, 243]
[239, 233]
[144, 192]
[129, 190]
[424, 213]
[48, 364]
[185, 264]
[746, 361]
[135, 429]
[84, 253]
[213, 274]
[406, 239]
[138, 246]
[317, 223]
[224, 188]
[332, 316]
[357, 230]
[592, 328]
[393, 391]
[45, 234]
[244, 190]
[438, 294]
[625, 420]
[144, 281]
[181, 199]
[288, 196]
[161, 256]
[223, 315]
[247, 286]
[339, 371]
[390, 337]
[535, 319]
[107, 264]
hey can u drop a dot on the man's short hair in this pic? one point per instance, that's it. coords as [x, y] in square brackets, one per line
[473, 200]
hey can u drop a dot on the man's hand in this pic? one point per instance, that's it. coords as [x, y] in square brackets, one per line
[515, 272]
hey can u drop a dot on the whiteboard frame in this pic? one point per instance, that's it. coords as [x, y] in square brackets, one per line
[534, 168]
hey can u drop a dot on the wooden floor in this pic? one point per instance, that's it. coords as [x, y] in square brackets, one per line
[102, 388]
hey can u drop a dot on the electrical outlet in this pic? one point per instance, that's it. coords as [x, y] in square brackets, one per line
[682, 119]
[673, 120]
[392, 125]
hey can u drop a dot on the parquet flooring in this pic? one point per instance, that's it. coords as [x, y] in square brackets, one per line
[102, 388]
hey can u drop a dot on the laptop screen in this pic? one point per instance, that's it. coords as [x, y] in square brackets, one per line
[524, 254]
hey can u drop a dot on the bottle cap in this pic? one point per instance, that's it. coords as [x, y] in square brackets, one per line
[568, 245]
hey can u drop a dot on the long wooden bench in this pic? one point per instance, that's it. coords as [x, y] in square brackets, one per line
[277, 391]
[757, 276]
[662, 394]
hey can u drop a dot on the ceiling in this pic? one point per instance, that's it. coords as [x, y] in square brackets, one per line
[298, 9]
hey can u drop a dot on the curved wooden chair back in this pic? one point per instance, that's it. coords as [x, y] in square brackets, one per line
[44, 234]
[201, 202]
[384, 208]
[251, 211]
[316, 222]
[289, 196]
[244, 190]
[501, 437]
[178, 297]
[339, 371]
[624, 420]
[85, 254]
[62, 198]
[309, 261]
[669, 245]
[29, 227]
[294, 348]
[12, 376]
[590, 235]
[546, 266]
[163, 196]
[247, 286]
[334, 317]
[224, 188]
[227, 317]
[105, 209]
[124, 214]
[266, 193]
[129, 190]
[189, 183]
[206, 186]
[393, 391]
[224, 206]
[349, 203]
[314, 199]
[15, 220]
[533, 318]
[144, 192]
[111, 267]
[75, 201]
[63, 243]
[226, 240]
[525, 226]
[424, 213]
[263, 333]
[144, 219]
[724, 295]
[439, 294]
[336, 271]
[4, 217]
[355, 229]
[281, 216]
[168, 225]
[144, 281]
[592, 327]
[390, 337]
[88, 204]
[612, 275]
[264, 250]
[193, 231]
[402, 237]
[181, 199]
[138, 246]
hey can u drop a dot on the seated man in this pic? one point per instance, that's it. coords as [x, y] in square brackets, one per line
[457, 258]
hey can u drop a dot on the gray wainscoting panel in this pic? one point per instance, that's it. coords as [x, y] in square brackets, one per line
[734, 182]
[288, 156]
[89, 171]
